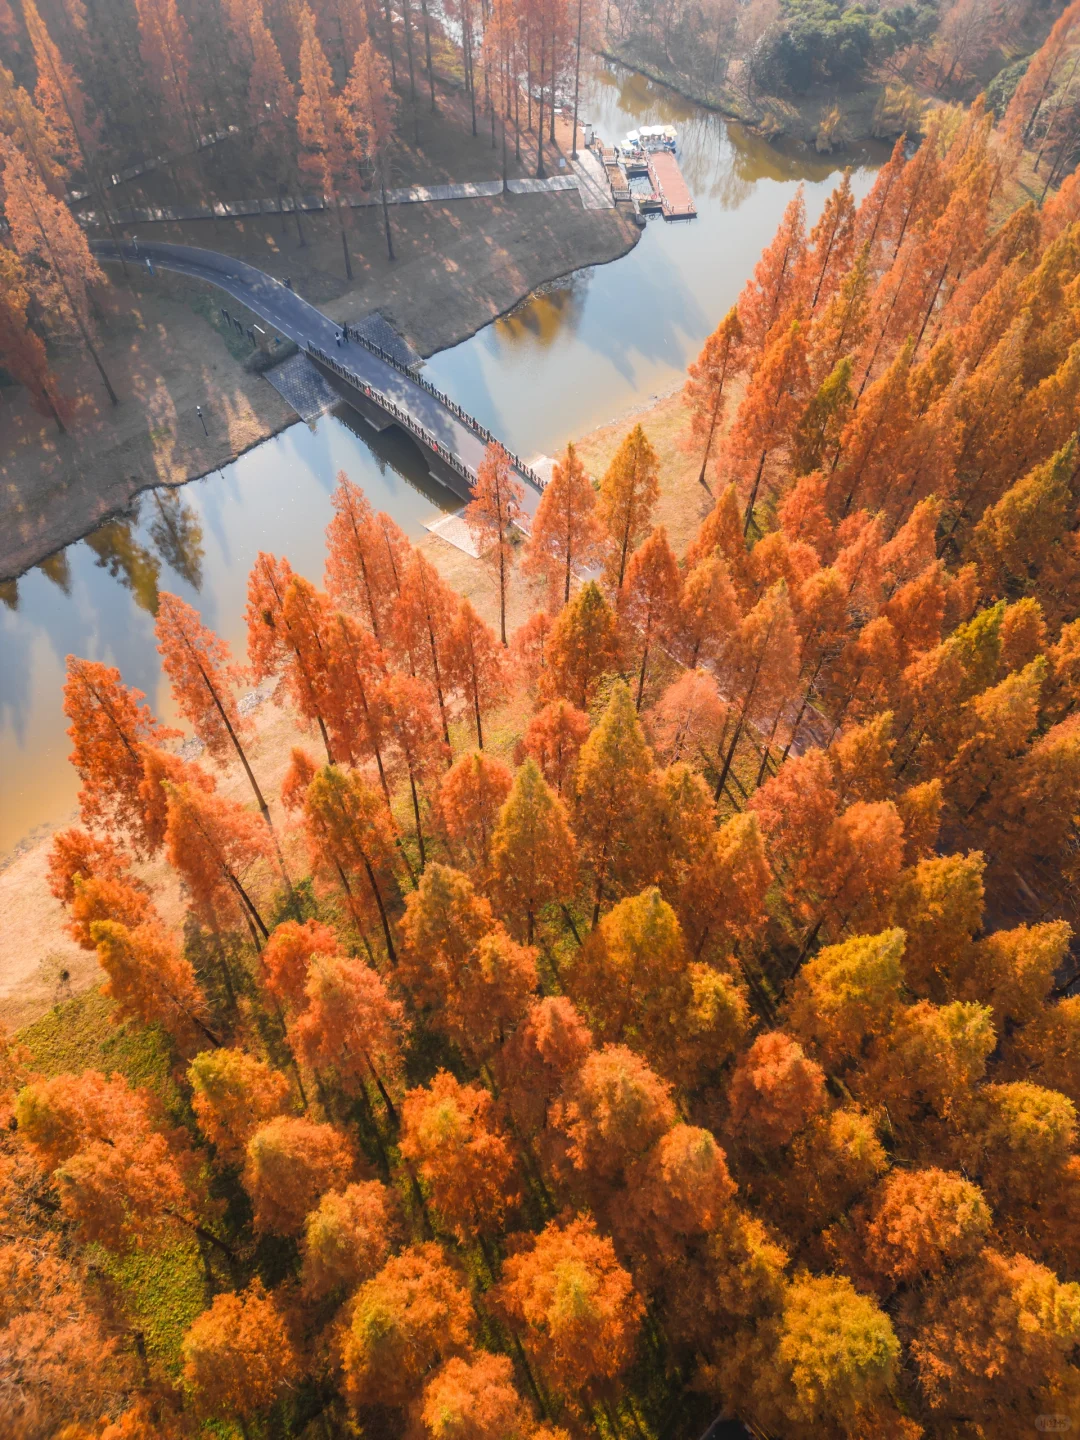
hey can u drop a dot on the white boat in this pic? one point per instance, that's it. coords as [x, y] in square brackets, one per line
[652, 137]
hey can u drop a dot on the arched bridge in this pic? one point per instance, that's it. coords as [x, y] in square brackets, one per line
[361, 371]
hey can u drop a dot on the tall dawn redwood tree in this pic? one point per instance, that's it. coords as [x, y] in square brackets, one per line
[476, 666]
[21, 350]
[492, 514]
[321, 125]
[628, 494]
[238, 1358]
[110, 728]
[566, 538]
[204, 678]
[721, 358]
[44, 233]
[165, 47]
[372, 105]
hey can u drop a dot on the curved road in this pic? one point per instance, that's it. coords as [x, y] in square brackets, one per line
[301, 322]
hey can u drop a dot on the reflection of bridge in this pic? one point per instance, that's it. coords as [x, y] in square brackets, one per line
[381, 388]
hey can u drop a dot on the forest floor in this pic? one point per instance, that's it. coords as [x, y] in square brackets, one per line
[40, 965]
[458, 266]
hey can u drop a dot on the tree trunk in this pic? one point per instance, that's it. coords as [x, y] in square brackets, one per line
[427, 47]
[540, 127]
[577, 82]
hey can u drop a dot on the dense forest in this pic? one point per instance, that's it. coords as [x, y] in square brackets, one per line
[665, 1009]
[914, 54]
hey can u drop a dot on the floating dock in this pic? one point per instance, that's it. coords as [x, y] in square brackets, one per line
[676, 202]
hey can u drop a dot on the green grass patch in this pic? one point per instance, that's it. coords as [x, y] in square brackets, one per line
[81, 1034]
[209, 307]
[163, 1289]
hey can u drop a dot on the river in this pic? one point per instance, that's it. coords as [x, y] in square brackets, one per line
[576, 354]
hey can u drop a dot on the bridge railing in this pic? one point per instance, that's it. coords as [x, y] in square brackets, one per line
[402, 417]
[455, 409]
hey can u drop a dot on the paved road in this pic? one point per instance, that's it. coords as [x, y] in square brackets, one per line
[295, 318]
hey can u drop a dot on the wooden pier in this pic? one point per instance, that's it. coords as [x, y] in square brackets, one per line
[676, 202]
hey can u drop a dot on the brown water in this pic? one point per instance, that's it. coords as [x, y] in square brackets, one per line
[583, 350]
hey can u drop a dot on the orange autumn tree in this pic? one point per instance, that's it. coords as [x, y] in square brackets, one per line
[110, 726]
[116, 1170]
[351, 832]
[322, 125]
[351, 1024]
[421, 626]
[348, 1237]
[778, 276]
[415, 1312]
[212, 843]
[44, 233]
[22, 350]
[565, 538]
[649, 601]
[474, 1398]
[720, 359]
[532, 851]
[492, 515]
[614, 789]
[151, 980]
[554, 737]
[583, 648]
[365, 555]
[628, 495]
[450, 1135]
[289, 1164]
[204, 678]
[371, 104]
[165, 47]
[275, 647]
[238, 1357]
[475, 666]
[580, 1312]
[232, 1095]
[471, 794]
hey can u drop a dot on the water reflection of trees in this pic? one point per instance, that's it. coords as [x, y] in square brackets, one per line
[549, 313]
[175, 530]
[721, 160]
[120, 553]
[57, 568]
[9, 593]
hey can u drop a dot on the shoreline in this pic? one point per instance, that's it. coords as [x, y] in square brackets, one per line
[56, 490]
[35, 950]
[287, 423]
[774, 117]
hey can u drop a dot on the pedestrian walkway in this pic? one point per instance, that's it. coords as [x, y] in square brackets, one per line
[548, 186]
[303, 386]
[453, 529]
[593, 182]
[407, 195]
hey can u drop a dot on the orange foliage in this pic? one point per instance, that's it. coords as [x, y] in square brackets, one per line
[449, 1133]
[581, 1312]
[290, 1163]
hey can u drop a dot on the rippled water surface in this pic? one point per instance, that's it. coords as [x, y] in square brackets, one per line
[583, 350]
